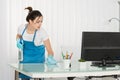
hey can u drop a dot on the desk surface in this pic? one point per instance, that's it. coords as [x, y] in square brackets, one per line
[47, 71]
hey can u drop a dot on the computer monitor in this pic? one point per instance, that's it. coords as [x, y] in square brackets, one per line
[101, 47]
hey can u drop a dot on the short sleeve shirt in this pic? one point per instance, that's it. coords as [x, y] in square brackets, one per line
[41, 35]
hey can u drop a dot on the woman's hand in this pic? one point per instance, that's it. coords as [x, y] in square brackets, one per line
[51, 60]
[19, 43]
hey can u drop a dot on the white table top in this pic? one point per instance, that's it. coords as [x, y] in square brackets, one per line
[47, 71]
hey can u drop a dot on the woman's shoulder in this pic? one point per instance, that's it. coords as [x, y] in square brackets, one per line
[42, 33]
[42, 30]
[21, 28]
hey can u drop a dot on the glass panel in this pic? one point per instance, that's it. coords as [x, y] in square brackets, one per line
[75, 67]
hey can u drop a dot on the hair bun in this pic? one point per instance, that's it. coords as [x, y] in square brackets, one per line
[29, 8]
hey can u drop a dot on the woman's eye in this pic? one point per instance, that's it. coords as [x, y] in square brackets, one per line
[37, 22]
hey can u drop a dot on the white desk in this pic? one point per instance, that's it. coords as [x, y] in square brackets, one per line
[47, 71]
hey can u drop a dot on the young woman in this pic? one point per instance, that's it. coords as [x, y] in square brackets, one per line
[32, 39]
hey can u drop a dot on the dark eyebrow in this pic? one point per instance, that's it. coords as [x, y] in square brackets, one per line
[38, 18]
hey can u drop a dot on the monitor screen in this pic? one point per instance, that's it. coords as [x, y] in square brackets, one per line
[97, 46]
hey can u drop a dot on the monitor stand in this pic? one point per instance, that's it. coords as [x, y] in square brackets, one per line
[104, 62]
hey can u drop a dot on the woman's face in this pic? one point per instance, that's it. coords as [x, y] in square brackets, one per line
[37, 22]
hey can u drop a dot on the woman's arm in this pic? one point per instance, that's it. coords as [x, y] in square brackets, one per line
[48, 47]
[50, 59]
[18, 36]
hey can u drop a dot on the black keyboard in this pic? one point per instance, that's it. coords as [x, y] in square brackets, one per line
[108, 64]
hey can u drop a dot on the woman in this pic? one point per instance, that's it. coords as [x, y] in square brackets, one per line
[32, 40]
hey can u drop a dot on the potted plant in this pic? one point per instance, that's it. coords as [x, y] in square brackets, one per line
[81, 60]
[82, 64]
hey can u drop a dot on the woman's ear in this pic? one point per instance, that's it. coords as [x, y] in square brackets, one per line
[30, 21]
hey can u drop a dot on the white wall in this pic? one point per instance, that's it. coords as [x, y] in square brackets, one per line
[64, 21]
[4, 49]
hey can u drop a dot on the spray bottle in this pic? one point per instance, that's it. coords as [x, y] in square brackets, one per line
[20, 51]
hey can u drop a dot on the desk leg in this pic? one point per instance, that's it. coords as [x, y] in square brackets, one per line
[16, 75]
[116, 77]
[70, 78]
[88, 78]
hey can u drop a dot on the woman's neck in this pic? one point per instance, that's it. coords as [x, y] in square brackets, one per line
[30, 29]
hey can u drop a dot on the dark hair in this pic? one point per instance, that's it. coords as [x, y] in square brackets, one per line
[32, 14]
